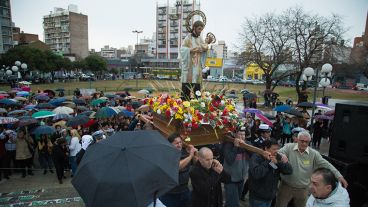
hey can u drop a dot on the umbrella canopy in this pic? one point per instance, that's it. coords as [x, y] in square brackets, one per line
[17, 113]
[293, 112]
[249, 95]
[136, 104]
[90, 123]
[97, 102]
[86, 113]
[44, 106]
[22, 93]
[18, 98]
[63, 110]
[70, 104]
[330, 113]
[264, 119]
[126, 113]
[25, 83]
[7, 102]
[43, 114]
[106, 112]
[49, 92]
[61, 116]
[2, 110]
[252, 110]
[57, 101]
[29, 107]
[8, 120]
[282, 108]
[144, 91]
[324, 117]
[128, 168]
[77, 120]
[44, 130]
[26, 120]
[323, 107]
[110, 95]
[42, 98]
[59, 123]
[306, 105]
[79, 101]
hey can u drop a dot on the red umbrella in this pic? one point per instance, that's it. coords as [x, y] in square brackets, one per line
[264, 119]
[89, 123]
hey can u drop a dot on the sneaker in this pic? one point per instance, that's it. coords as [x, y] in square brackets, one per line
[44, 172]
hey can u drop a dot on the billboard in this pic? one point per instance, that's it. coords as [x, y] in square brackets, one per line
[214, 62]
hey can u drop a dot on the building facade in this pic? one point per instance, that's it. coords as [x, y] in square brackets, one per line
[363, 40]
[6, 36]
[109, 52]
[20, 37]
[66, 32]
[170, 27]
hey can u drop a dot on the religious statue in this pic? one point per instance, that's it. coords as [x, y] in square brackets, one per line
[193, 54]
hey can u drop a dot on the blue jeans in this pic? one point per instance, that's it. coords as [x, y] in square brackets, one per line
[258, 203]
[176, 199]
[233, 193]
[73, 163]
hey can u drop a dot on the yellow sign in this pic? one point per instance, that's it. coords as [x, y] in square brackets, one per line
[214, 62]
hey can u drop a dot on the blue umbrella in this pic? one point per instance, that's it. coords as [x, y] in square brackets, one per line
[86, 113]
[61, 116]
[7, 102]
[57, 101]
[282, 108]
[126, 113]
[106, 112]
[44, 106]
[252, 110]
[42, 98]
[77, 120]
[79, 101]
[29, 107]
[22, 93]
[44, 130]
[17, 112]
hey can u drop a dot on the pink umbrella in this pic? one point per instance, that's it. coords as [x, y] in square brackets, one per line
[264, 119]
[330, 113]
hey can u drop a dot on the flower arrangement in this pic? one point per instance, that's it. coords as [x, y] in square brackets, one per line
[206, 108]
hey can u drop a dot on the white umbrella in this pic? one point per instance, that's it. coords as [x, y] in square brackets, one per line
[144, 91]
[63, 110]
[25, 83]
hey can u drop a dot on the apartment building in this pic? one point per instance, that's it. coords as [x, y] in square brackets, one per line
[6, 36]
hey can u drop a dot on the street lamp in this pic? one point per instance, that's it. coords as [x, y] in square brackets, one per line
[136, 77]
[324, 82]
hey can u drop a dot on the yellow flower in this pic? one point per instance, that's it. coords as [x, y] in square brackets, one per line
[180, 110]
[230, 107]
[186, 103]
[179, 116]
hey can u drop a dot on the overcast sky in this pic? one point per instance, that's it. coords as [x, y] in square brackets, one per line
[111, 22]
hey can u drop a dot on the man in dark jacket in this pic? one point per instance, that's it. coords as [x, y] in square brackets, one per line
[206, 176]
[264, 175]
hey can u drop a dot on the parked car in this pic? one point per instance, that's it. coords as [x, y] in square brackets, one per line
[257, 82]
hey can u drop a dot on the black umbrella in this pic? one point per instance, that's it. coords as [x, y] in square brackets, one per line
[293, 112]
[44, 130]
[136, 104]
[130, 168]
[86, 113]
[306, 105]
[249, 95]
[60, 89]
[44, 106]
[79, 102]
[50, 92]
[82, 108]
[78, 120]
[26, 121]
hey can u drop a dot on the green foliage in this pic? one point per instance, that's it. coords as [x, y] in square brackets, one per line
[95, 63]
[115, 70]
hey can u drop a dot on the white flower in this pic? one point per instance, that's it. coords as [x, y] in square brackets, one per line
[158, 111]
[220, 113]
[198, 93]
[187, 139]
[222, 102]
[203, 104]
[207, 93]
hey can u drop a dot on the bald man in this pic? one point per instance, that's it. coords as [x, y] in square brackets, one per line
[206, 177]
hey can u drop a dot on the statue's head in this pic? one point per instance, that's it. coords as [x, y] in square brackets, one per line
[197, 28]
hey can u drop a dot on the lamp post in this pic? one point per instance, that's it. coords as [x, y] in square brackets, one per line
[324, 82]
[136, 77]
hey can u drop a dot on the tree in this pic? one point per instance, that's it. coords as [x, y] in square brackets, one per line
[95, 63]
[310, 33]
[267, 43]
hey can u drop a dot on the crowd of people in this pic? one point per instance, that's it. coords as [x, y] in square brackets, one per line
[282, 175]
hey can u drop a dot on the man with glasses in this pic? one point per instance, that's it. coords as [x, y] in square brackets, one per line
[304, 160]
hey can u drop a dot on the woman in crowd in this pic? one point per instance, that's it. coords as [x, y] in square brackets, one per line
[24, 152]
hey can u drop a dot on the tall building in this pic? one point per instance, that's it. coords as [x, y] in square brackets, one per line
[220, 49]
[6, 36]
[363, 40]
[170, 27]
[20, 37]
[66, 32]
